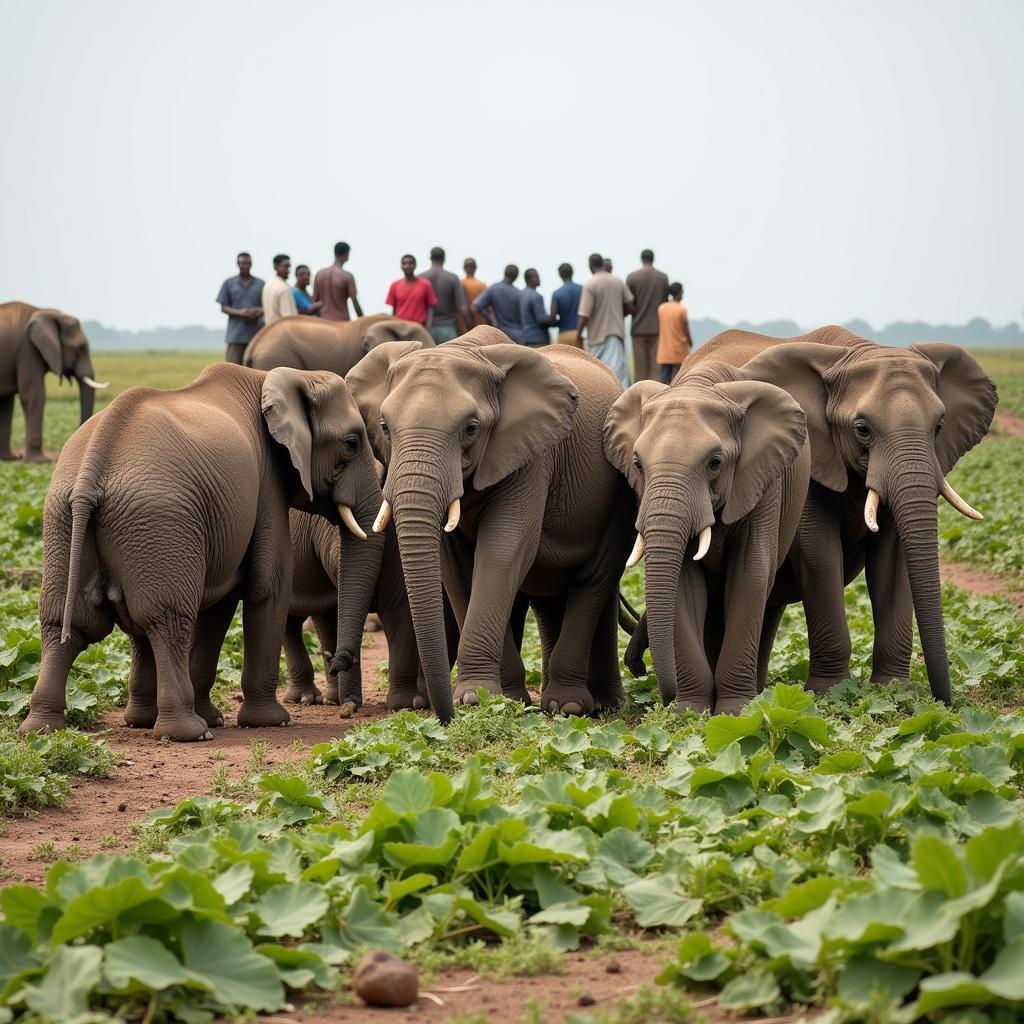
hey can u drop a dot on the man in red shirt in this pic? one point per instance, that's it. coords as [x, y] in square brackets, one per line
[411, 297]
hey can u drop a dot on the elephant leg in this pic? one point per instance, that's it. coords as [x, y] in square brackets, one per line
[6, 418]
[301, 688]
[769, 628]
[207, 641]
[549, 613]
[141, 710]
[325, 625]
[171, 641]
[517, 620]
[891, 604]
[695, 682]
[406, 684]
[603, 677]
[345, 687]
[33, 399]
[49, 696]
[569, 665]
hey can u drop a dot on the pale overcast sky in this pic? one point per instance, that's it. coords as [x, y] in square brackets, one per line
[798, 159]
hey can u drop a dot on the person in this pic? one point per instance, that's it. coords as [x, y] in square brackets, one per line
[300, 290]
[532, 314]
[451, 299]
[334, 286]
[606, 264]
[411, 297]
[240, 299]
[499, 304]
[650, 289]
[674, 341]
[278, 300]
[604, 305]
[474, 288]
[565, 304]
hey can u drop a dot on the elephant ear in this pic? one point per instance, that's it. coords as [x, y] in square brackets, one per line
[801, 369]
[773, 432]
[383, 331]
[969, 396]
[284, 402]
[622, 427]
[368, 380]
[536, 405]
[44, 334]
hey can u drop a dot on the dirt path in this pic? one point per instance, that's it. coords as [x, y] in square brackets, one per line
[966, 577]
[1008, 423]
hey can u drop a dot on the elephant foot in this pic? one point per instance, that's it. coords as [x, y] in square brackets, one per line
[519, 693]
[891, 677]
[297, 693]
[566, 700]
[138, 715]
[402, 698]
[257, 716]
[184, 728]
[465, 692]
[822, 684]
[348, 708]
[210, 713]
[372, 624]
[609, 696]
[731, 705]
[37, 457]
[683, 704]
[9, 456]
[42, 721]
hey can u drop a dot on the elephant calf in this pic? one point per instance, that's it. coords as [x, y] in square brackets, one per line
[722, 464]
[169, 507]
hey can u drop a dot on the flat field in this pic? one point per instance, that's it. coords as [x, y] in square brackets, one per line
[858, 857]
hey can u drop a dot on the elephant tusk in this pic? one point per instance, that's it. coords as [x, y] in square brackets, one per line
[454, 515]
[638, 552]
[958, 503]
[96, 385]
[380, 524]
[350, 521]
[703, 543]
[871, 510]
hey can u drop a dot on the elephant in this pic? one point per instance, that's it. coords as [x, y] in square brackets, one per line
[315, 587]
[886, 425]
[32, 342]
[497, 448]
[170, 506]
[722, 464]
[309, 343]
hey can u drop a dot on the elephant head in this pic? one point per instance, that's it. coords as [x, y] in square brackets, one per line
[896, 420]
[387, 329]
[697, 454]
[314, 417]
[64, 348]
[445, 421]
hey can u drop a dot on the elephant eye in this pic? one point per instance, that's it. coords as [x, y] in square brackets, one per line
[350, 444]
[715, 463]
[385, 429]
[938, 428]
[472, 429]
[636, 462]
[862, 430]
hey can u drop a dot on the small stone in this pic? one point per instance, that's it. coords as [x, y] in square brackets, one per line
[383, 979]
[586, 1000]
[613, 967]
[122, 808]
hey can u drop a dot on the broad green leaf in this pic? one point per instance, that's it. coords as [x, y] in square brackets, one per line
[298, 964]
[234, 882]
[16, 952]
[63, 993]
[223, 958]
[658, 901]
[150, 963]
[398, 889]
[562, 913]
[501, 922]
[21, 906]
[725, 729]
[863, 977]
[365, 923]
[101, 906]
[408, 792]
[938, 867]
[749, 991]
[290, 909]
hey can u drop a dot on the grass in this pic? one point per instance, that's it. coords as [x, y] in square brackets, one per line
[1006, 367]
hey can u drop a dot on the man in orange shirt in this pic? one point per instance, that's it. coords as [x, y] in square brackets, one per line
[474, 288]
[674, 342]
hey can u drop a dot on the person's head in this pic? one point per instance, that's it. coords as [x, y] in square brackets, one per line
[606, 265]
[302, 276]
[511, 273]
[675, 289]
[469, 266]
[341, 251]
[282, 266]
[565, 272]
[532, 278]
[244, 262]
[408, 265]
[437, 255]
[647, 257]
[595, 262]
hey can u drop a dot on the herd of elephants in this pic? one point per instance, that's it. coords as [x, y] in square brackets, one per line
[355, 467]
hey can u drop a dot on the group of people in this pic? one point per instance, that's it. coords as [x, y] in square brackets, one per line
[591, 315]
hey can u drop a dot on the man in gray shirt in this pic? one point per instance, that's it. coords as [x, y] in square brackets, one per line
[604, 305]
[650, 289]
[241, 300]
[499, 305]
[451, 299]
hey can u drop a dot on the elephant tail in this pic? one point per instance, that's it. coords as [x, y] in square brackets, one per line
[81, 513]
[628, 615]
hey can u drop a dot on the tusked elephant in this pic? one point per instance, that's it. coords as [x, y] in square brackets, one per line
[315, 588]
[886, 425]
[170, 506]
[721, 467]
[32, 342]
[497, 449]
[309, 343]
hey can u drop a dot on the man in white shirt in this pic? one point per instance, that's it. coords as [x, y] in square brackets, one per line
[604, 305]
[278, 300]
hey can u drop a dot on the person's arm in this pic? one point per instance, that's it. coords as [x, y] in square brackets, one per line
[430, 318]
[462, 315]
[352, 296]
[314, 308]
[581, 326]
[224, 298]
[431, 302]
[583, 314]
[391, 300]
[628, 304]
[684, 323]
[483, 307]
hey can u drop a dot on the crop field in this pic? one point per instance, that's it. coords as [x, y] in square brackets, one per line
[851, 858]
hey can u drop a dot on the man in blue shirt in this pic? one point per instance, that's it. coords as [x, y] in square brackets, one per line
[534, 317]
[241, 300]
[303, 302]
[499, 305]
[565, 304]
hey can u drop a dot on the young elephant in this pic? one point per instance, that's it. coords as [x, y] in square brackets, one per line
[497, 448]
[727, 463]
[169, 507]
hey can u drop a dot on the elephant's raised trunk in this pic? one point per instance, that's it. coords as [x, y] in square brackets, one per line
[86, 400]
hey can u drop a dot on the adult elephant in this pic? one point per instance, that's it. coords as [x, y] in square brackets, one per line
[169, 507]
[498, 448]
[726, 461]
[309, 343]
[35, 341]
[886, 425]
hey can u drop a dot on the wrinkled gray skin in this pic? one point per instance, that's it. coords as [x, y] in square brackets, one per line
[515, 436]
[170, 506]
[732, 455]
[315, 595]
[894, 420]
[33, 342]
[309, 343]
